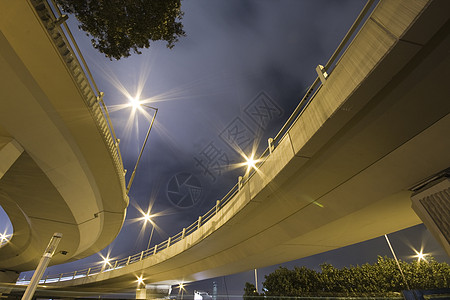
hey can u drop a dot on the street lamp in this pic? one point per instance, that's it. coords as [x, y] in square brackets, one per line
[148, 218]
[420, 255]
[140, 281]
[135, 103]
[105, 263]
[4, 238]
[181, 289]
[250, 162]
[396, 260]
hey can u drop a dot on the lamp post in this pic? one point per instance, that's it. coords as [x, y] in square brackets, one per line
[43, 263]
[181, 289]
[105, 263]
[4, 238]
[396, 260]
[143, 146]
[148, 218]
[151, 235]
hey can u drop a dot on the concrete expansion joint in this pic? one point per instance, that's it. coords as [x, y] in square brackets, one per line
[313, 245]
[8, 270]
[303, 156]
[379, 24]
[75, 224]
[50, 220]
[411, 42]
[96, 215]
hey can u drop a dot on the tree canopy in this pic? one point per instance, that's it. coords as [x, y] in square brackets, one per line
[250, 291]
[118, 26]
[379, 279]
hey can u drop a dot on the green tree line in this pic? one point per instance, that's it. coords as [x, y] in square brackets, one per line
[382, 278]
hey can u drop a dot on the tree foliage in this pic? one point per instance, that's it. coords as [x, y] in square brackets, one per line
[250, 291]
[382, 278]
[117, 26]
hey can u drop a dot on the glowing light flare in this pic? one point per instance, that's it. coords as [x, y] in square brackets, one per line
[181, 287]
[147, 217]
[140, 280]
[420, 255]
[4, 238]
[135, 103]
[250, 162]
[138, 108]
[106, 260]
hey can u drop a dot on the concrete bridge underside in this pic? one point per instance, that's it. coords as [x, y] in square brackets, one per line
[344, 171]
[58, 172]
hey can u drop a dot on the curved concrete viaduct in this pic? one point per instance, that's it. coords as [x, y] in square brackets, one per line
[60, 170]
[345, 170]
[343, 173]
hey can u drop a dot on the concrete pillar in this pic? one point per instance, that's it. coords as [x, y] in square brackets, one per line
[141, 293]
[432, 204]
[7, 276]
[153, 291]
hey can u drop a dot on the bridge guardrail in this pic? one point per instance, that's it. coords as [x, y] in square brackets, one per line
[230, 196]
[53, 21]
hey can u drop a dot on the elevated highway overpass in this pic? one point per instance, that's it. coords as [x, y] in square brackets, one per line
[60, 168]
[343, 170]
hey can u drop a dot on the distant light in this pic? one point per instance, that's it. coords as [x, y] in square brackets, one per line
[106, 261]
[420, 256]
[181, 286]
[140, 280]
[318, 204]
[251, 162]
[4, 238]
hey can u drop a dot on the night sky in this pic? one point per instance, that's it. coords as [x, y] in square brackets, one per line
[235, 53]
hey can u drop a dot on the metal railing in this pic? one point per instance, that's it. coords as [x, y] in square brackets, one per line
[230, 196]
[54, 21]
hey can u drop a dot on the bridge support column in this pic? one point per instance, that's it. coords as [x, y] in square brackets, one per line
[154, 291]
[432, 204]
[7, 276]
